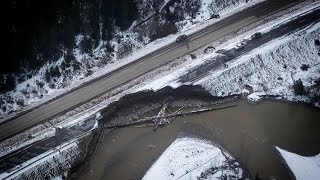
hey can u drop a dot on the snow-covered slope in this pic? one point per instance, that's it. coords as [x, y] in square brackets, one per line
[271, 69]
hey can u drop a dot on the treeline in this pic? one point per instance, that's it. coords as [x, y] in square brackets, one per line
[40, 31]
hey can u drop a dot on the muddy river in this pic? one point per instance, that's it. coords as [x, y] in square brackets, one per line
[249, 132]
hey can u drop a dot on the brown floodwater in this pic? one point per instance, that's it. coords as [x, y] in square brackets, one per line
[249, 132]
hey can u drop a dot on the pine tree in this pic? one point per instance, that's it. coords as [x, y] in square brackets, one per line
[298, 87]
[69, 34]
[10, 82]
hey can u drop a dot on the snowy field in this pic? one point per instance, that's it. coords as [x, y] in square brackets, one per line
[302, 167]
[191, 158]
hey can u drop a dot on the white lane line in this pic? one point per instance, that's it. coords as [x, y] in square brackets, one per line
[303, 20]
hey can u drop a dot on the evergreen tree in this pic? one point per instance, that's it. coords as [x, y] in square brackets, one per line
[298, 87]
[10, 83]
[2, 83]
[69, 34]
[76, 19]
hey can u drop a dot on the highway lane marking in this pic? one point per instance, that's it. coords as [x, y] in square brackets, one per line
[285, 28]
[303, 20]
[264, 9]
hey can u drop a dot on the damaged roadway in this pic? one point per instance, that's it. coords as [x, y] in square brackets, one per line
[139, 67]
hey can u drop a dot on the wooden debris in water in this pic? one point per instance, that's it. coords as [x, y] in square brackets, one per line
[160, 119]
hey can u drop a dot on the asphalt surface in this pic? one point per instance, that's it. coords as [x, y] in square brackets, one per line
[141, 66]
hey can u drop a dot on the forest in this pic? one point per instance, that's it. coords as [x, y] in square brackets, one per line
[41, 31]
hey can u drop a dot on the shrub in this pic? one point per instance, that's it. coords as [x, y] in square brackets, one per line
[192, 7]
[10, 82]
[86, 45]
[125, 48]
[52, 85]
[158, 30]
[55, 72]
[317, 82]
[7, 83]
[20, 102]
[76, 66]
[47, 76]
[193, 56]
[109, 48]
[298, 87]
[63, 65]
[304, 67]
[68, 58]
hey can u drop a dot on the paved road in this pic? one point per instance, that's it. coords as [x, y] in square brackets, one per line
[62, 136]
[140, 67]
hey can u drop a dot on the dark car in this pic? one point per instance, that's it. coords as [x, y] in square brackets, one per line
[181, 38]
[215, 16]
[256, 35]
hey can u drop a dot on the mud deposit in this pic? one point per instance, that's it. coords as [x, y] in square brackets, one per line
[249, 132]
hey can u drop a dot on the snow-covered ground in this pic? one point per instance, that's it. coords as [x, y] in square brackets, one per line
[272, 68]
[49, 164]
[301, 166]
[191, 158]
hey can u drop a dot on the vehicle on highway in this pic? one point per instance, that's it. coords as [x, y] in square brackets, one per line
[213, 16]
[181, 38]
[256, 35]
[240, 46]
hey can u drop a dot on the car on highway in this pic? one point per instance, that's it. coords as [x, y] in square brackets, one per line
[240, 46]
[256, 35]
[181, 38]
[213, 16]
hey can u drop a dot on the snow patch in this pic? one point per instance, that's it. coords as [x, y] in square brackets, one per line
[254, 97]
[301, 166]
[190, 158]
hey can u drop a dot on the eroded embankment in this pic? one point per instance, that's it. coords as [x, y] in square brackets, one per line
[145, 104]
[248, 132]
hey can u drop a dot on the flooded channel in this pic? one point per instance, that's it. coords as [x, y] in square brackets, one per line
[249, 132]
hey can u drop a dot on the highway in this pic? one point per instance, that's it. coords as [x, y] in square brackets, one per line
[201, 71]
[139, 67]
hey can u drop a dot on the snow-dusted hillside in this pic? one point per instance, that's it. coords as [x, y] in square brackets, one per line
[271, 69]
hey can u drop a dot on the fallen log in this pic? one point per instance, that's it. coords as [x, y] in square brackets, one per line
[146, 119]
